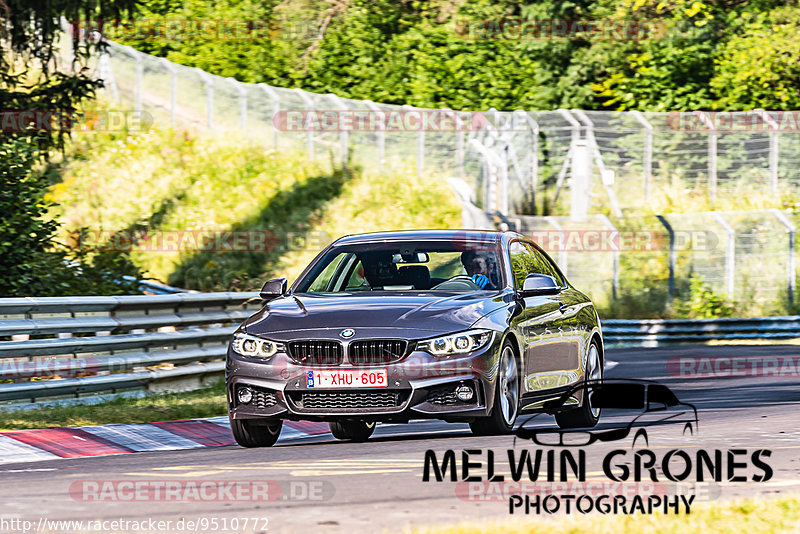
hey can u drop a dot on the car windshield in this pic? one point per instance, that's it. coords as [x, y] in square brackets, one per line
[417, 266]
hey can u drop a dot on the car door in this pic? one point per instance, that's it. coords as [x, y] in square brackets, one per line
[576, 315]
[549, 358]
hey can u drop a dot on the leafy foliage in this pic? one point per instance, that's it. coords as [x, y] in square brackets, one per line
[718, 54]
[31, 261]
[32, 78]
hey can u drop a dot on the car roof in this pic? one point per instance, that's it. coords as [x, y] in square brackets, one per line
[483, 236]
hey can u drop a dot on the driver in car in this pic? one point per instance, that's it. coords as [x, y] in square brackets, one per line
[480, 268]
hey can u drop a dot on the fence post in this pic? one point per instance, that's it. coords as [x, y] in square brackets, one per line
[344, 136]
[672, 257]
[107, 74]
[712, 153]
[242, 103]
[598, 159]
[173, 88]
[381, 134]
[730, 254]
[647, 164]
[575, 135]
[137, 98]
[276, 108]
[790, 263]
[581, 181]
[774, 149]
[490, 191]
[309, 133]
[615, 253]
[209, 82]
[420, 143]
[459, 132]
[563, 262]
[533, 165]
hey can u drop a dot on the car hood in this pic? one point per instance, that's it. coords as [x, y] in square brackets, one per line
[442, 312]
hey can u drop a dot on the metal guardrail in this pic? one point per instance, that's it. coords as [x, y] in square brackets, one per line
[67, 347]
[71, 347]
[656, 331]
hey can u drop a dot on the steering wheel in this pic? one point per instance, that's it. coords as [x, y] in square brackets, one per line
[459, 282]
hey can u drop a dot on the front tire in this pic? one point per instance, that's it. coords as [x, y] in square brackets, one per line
[586, 416]
[506, 397]
[249, 434]
[358, 431]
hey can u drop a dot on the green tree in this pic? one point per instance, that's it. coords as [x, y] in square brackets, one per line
[33, 77]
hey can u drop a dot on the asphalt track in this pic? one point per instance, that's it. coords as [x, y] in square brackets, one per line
[330, 486]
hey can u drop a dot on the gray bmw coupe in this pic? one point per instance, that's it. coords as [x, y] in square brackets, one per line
[468, 326]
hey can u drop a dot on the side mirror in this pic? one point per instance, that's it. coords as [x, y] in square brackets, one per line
[539, 284]
[273, 289]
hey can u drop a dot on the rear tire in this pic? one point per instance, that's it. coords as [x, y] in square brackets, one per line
[585, 416]
[357, 431]
[249, 434]
[506, 398]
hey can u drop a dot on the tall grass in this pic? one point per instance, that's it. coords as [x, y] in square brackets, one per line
[172, 180]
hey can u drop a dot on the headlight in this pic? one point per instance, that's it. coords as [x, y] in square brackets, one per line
[460, 343]
[254, 346]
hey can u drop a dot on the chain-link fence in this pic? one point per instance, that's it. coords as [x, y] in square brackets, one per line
[511, 159]
[648, 261]
[506, 157]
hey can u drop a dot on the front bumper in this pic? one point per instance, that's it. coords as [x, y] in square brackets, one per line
[419, 386]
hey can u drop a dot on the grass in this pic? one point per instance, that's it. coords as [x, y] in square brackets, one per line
[172, 180]
[765, 516]
[206, 402]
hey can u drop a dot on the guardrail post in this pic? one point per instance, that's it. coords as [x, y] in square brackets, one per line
[647, 163]
[730, 254]
[672, 257]
[276, 108]
[791, 274]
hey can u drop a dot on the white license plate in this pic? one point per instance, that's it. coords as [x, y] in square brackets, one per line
[363, 378]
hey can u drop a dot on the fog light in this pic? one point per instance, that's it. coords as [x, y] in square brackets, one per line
[245, 395]
[464, 393]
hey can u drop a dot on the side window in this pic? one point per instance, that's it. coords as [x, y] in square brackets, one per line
[546, 267]
[523, 262]
[325, 281]
[357, 278]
